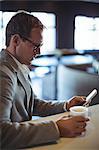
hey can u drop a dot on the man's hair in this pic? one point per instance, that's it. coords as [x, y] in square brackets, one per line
[22, 23]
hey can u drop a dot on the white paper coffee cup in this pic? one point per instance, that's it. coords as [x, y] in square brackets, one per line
[79, 111]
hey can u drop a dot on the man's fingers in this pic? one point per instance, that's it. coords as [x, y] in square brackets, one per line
[81, 124]
[80, 130]
[80, 118]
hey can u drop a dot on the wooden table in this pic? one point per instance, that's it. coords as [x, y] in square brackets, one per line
[89, 141]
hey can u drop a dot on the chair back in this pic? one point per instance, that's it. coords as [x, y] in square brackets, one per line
[73, 82]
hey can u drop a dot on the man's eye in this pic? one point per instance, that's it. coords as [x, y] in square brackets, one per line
[35, 47]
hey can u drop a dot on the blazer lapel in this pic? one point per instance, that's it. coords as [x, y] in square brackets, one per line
[7, 58]
[24, 83]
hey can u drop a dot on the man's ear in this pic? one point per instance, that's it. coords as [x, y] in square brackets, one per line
[16, 39]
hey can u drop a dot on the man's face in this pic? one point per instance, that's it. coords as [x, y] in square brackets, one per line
[29, 48]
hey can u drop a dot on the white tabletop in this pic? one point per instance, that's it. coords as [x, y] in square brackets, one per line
[89, 141]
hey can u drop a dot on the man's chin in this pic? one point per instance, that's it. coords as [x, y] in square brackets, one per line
[28, 63]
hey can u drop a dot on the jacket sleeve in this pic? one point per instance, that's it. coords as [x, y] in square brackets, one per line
[16, 135]
[47, 107]
[23, 135]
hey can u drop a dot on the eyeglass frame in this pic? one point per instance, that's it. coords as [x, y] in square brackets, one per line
[35, 45]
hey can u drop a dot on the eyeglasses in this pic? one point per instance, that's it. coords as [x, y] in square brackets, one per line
[35, 46]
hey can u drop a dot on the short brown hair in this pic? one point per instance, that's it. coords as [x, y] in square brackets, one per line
[22, 23]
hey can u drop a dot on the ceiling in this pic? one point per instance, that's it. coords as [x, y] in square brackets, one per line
[93, 1]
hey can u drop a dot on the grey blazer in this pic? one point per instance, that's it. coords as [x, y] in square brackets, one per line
[17, 105]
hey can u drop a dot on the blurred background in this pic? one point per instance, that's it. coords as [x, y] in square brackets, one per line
[69, 60]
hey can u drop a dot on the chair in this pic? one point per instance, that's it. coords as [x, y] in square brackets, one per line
[73, 82]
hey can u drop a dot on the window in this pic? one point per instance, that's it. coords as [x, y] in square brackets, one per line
[49, 34]
[4, 18]
[86, 36]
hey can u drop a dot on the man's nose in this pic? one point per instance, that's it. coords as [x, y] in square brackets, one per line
[38, 51]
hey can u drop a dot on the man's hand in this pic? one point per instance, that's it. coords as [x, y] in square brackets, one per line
[76, 100]
[72, 127]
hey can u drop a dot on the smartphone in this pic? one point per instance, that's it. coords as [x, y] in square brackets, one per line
[90, 97]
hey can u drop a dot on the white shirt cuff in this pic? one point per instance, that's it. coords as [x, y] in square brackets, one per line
[65, 106]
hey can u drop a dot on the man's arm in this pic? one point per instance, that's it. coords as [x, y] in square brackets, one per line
[46, 108]
[20, 134]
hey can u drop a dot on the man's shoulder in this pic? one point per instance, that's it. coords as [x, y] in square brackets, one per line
[6, 61]
[8, 66]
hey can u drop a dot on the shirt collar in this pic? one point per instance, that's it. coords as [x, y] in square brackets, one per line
[24, 68]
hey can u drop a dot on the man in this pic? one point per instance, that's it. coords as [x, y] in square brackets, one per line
[17, 101]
